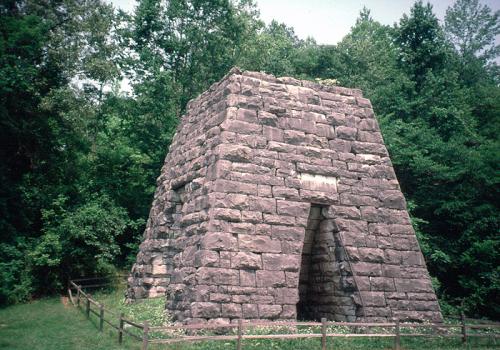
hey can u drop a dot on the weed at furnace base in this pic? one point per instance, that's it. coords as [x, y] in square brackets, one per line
[278, 200]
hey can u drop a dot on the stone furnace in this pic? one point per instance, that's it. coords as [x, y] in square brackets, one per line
[278, 200]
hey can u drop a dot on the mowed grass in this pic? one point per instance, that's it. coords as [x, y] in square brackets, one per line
[51, 324]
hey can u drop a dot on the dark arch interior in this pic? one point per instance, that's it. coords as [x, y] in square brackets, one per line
[325, 281]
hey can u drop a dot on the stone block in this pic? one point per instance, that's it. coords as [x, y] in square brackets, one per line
[284, 233]
[269, 311]
[231, 310]
[363, 102]
[292, 279]
[217, 276]
[346, 133]
[325, 130]
[392, 270]
[289, 312]
[250, 311]
[412, 258]
[291, 247]
[259, 244]
[264, 205]
[226, 214]
[367, 269]
[286, 295]
[319, 197]
[264, 191]
[279, 220]
[206, 258]
[392, 199]
[263, 299]
[374, 299]
[219, 321]
[285, 192]
[358, 200]
[253, 217]
[392, 256]
[338, 211]
[159, 269]
[267, 118]
[295, 137]
[270, 278]
[246, 115]
[368, 125]
[273, 134]
[240, 227]
[235, 153]
[366, 136]
[205, 310]
[372, 255]
[421, 296]
[281, 262]
[218, 241]
[298, 209]
[241, 127]
[247, 278]
[227, 186]
[220, 297]
[348, 225]
[246, 260]
[413, 285]
[382, 284]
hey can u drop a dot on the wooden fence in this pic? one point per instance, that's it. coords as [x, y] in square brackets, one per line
[147, 335]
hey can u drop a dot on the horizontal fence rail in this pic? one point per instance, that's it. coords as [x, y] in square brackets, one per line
[150, 335]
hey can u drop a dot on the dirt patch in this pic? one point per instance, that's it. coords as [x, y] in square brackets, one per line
[65, 301]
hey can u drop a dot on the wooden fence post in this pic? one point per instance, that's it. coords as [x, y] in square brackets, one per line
[87, 310]
[145, 335]
[101, 317]
[240, 333]
[464, 329]
[78, 297]
[120, 329]
[397, 338]
[323, 333]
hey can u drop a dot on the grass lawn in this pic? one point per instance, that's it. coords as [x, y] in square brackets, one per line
[51, 324]
[48, 324]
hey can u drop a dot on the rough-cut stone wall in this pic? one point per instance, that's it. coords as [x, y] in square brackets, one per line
[263, 174]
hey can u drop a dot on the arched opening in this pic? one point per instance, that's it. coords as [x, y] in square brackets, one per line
[326, 286]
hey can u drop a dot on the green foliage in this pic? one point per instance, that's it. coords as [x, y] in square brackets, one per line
[171, 41]
[472, 28]
[15, 273]
[79, 242]
[421, 43]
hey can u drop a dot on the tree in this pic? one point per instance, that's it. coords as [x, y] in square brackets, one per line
[273, 49]
[171, 39]
[44, 47]
[443, 161]
[421, 42]
[472, 29]
[78, 242]
[366, 58]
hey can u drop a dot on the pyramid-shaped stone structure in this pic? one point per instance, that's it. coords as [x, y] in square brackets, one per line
[278, 200]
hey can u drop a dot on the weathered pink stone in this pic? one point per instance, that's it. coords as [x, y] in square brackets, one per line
[278, 200]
